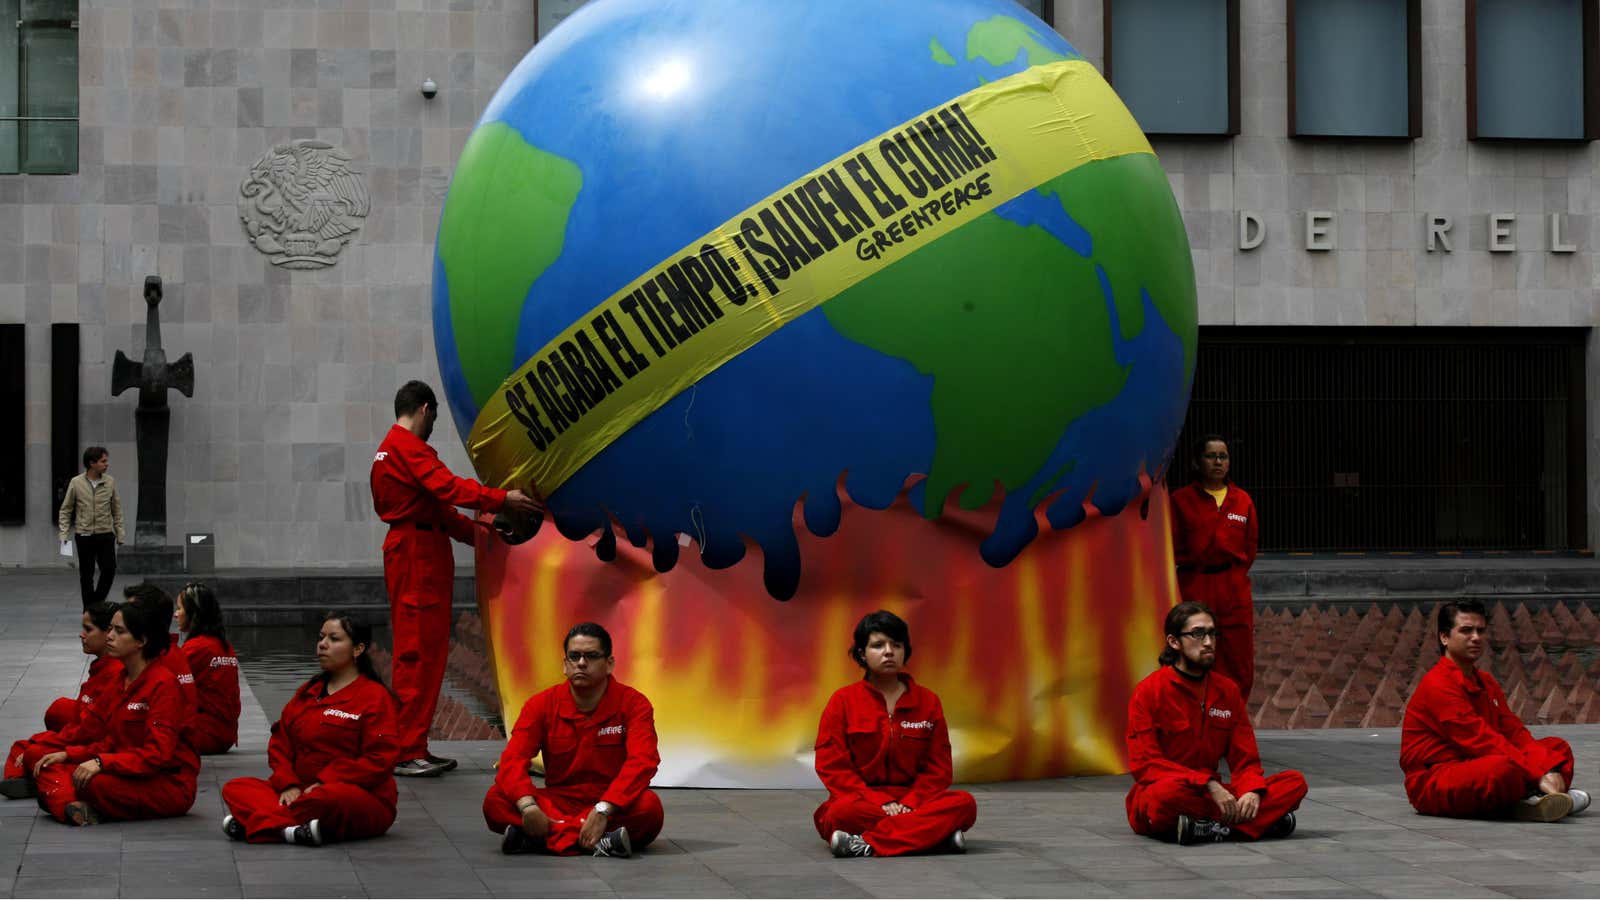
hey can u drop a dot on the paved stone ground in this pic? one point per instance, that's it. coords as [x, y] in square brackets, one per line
[1067, 837]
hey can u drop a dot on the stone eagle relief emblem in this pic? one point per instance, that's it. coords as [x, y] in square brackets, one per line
[301, 203]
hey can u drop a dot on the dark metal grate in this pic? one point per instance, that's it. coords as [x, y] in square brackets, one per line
[1383, 439]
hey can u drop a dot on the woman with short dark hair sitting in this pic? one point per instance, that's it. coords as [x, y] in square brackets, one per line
[332, 753]
[883, 752]
[140, 768]
[215, 666]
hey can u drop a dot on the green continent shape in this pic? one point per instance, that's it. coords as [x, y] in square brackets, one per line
[940, 54]
[1013, 328]
[504, 223]
[998, 39]
[1126, 206]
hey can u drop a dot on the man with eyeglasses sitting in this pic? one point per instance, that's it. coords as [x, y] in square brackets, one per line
[1183, 720]
[598, 738]
[1464, 752]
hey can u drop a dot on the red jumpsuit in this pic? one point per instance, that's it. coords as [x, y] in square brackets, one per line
[414, 492]
[867, 758]
[1463, 751]
[216, 675]
[344, 743]
[608, 754]
[147, 771]
[1214, 548]
[105, 677]
[1179, 730]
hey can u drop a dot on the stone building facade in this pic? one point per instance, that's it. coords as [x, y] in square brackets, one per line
[295, 367]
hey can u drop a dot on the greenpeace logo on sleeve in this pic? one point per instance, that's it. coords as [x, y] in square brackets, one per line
[224, 661]
[341, 714]
[610, 729]
[186, 679]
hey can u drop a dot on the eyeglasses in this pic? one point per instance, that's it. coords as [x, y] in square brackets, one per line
[576, 656]
[1200, 634]
[1219, 457]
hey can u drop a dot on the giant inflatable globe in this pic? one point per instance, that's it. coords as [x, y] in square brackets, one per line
[859, 304]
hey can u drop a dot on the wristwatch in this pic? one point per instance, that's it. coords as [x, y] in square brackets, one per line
[604, 809]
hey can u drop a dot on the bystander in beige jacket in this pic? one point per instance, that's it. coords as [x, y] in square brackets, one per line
[88, 509]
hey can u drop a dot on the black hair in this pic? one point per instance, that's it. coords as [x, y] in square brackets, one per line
[884, 622]
[1449, 611]
[588, 629]
[200, 605]
[91, 455]
[1177, 617]
[143, 622]
[100, 614]
[360, 632]
[411, 396]
[1200, 446]
[155, 599]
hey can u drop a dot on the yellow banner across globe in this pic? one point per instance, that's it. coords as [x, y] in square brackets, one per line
[796, 249]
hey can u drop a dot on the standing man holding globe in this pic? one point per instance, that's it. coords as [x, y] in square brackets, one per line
[1214, 535]
[416, 494]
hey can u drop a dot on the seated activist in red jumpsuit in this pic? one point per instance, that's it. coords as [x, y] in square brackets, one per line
[1464, 752]
[171, 658]
[140, 768]
[1214, 533]
[883, 753]
[598, 737]
[332, 754]
[215, 666]
[104, 674]
[416, 496]
[1183, 721]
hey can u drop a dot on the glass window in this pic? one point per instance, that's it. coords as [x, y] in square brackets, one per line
[551, 13]
[39, 86]
[1040, 8]
[1354, 68]
[1175, 63]
[1526, 69]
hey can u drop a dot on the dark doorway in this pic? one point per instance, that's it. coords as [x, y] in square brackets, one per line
[1399, 439]
[13, 443]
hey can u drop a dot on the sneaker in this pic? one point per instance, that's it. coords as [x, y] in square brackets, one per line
[844, 844]
[233, 828]
[1281, 828]
[443, 762]
[81, 813]
[614, 843]
[515, 841]
[307, 835]
[1580, 800]
[418, 768]
[956, 842]
[18, 788]
[1542, 808]
[1201, 831]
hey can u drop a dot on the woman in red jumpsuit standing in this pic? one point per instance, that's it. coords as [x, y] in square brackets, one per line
[140, 768]
[332, 754]
[1214, 533]
[105, 674]
[883, 752]
[215, 666]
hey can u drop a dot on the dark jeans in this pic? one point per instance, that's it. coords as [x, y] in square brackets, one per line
[96, 550]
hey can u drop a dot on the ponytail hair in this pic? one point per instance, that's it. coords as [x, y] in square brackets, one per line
[204, 614]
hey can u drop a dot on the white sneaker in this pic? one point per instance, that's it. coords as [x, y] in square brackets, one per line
[1580, 801]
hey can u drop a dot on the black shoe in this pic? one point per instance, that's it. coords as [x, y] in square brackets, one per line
[443, 762]
[233, 828]
[1281, 828]
[1201, 831]
[516, 841]
[418, 768]
[307, 835]
[956, 842]
[843, 844]
[81, 813]
[614, 843]
[18, 788]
